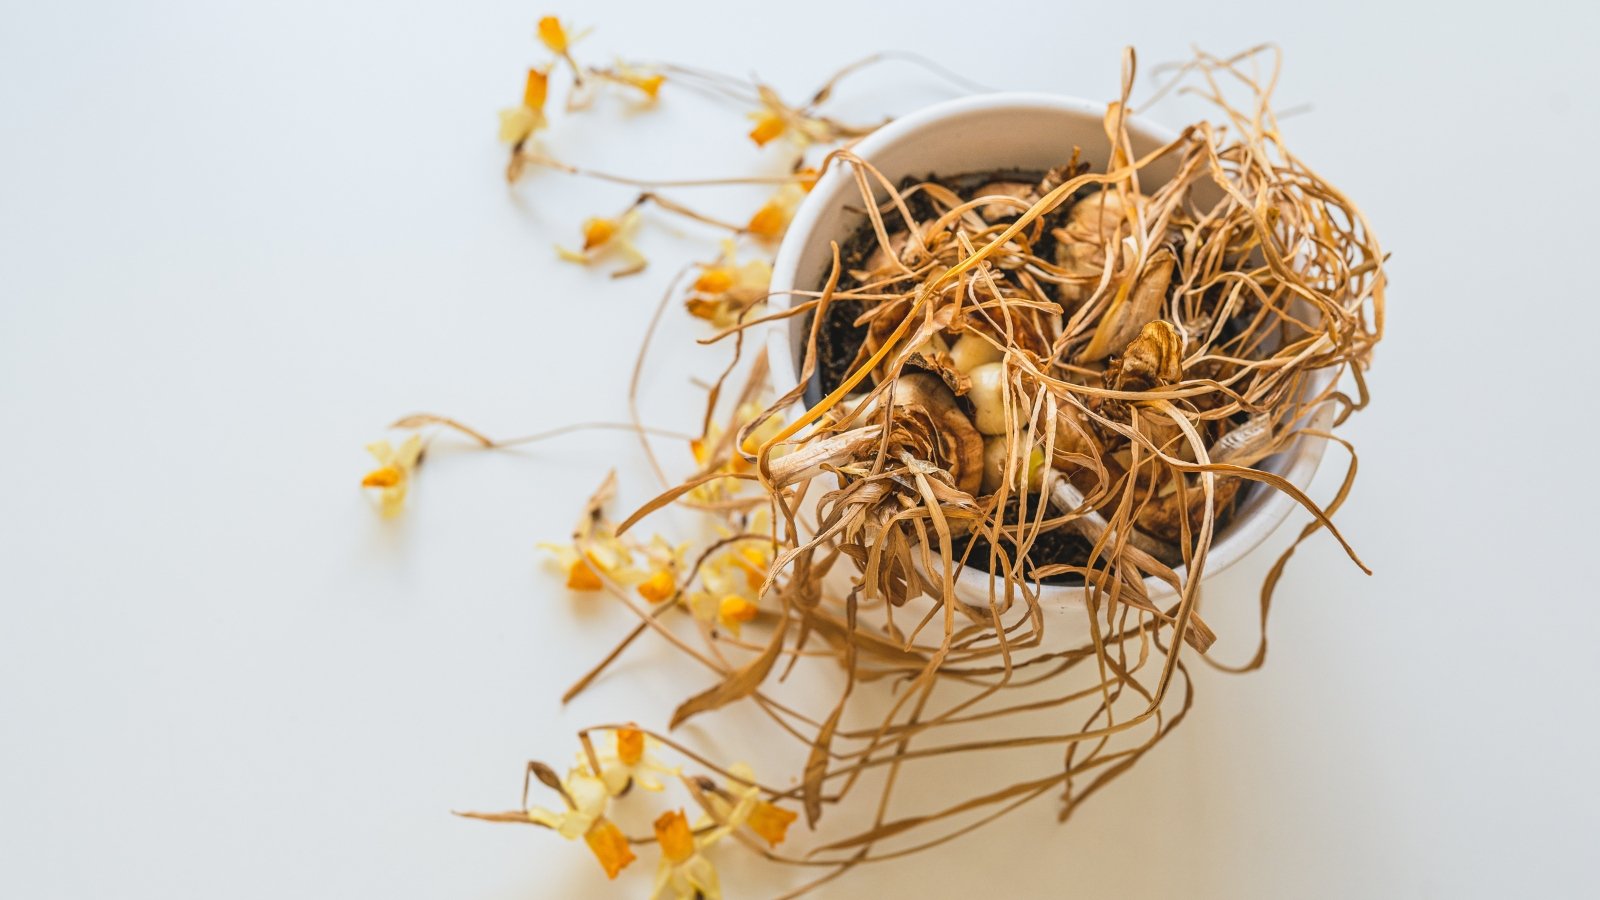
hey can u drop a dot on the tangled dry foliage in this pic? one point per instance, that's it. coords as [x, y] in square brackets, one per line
[1096, 352]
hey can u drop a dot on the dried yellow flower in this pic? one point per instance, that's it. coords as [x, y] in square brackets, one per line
[672, 833]
[519, 123]
[392, 478]
[684, 873]
[725, 291]
[603, 237]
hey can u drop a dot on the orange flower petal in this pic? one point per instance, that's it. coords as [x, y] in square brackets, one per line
[553, 34]
[701, 308]
[672, 833]
[536, 90]
[808, 178]
[650, 84]
[771, 822]
[597, 232]
[736, 610]
[768, 222]
[610, 846]
[658, 587]
[714, 280]
[769, 126]
[583, 577]
[630, 745]
[386, 477]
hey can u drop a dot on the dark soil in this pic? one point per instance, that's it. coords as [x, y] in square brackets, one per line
[1049, 548]
[840, 338]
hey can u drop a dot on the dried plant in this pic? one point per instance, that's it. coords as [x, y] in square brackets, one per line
[1089, 359]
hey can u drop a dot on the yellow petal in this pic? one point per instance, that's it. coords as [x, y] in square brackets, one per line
[735, 610]
[582, 577]
[672, 833]
[553, 34]
[410, 451]
[597, 232]
[771, 822]
[714, 280]
[610, 846]
[536, 90]
[517, 124]
[658, 587]
[768, 126]
[769, 221]
[387, 476]
[393, 500]
[630, 745]
[700, 308]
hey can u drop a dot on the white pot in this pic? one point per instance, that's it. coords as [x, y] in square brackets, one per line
[1028, 131]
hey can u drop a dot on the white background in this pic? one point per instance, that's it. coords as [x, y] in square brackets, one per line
[237, 239]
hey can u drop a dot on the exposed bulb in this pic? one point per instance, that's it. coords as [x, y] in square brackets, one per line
[987, 396]
[971, 351]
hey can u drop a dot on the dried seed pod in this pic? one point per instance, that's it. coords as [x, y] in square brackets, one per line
[1152, 359]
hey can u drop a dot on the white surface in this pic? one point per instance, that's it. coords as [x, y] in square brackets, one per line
[236, 239]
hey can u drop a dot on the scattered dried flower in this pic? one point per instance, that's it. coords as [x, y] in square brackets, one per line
[584, 816]
[742, 806]
[633, 762]
[725, 291]
[392, 478]
[519, 123]
[603, 238]
[684, 872]
[772, 219]
[595, 550]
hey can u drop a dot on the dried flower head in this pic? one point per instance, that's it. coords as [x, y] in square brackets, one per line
[684, 873]
[604, 238]
[724, 291]
[392, 477]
